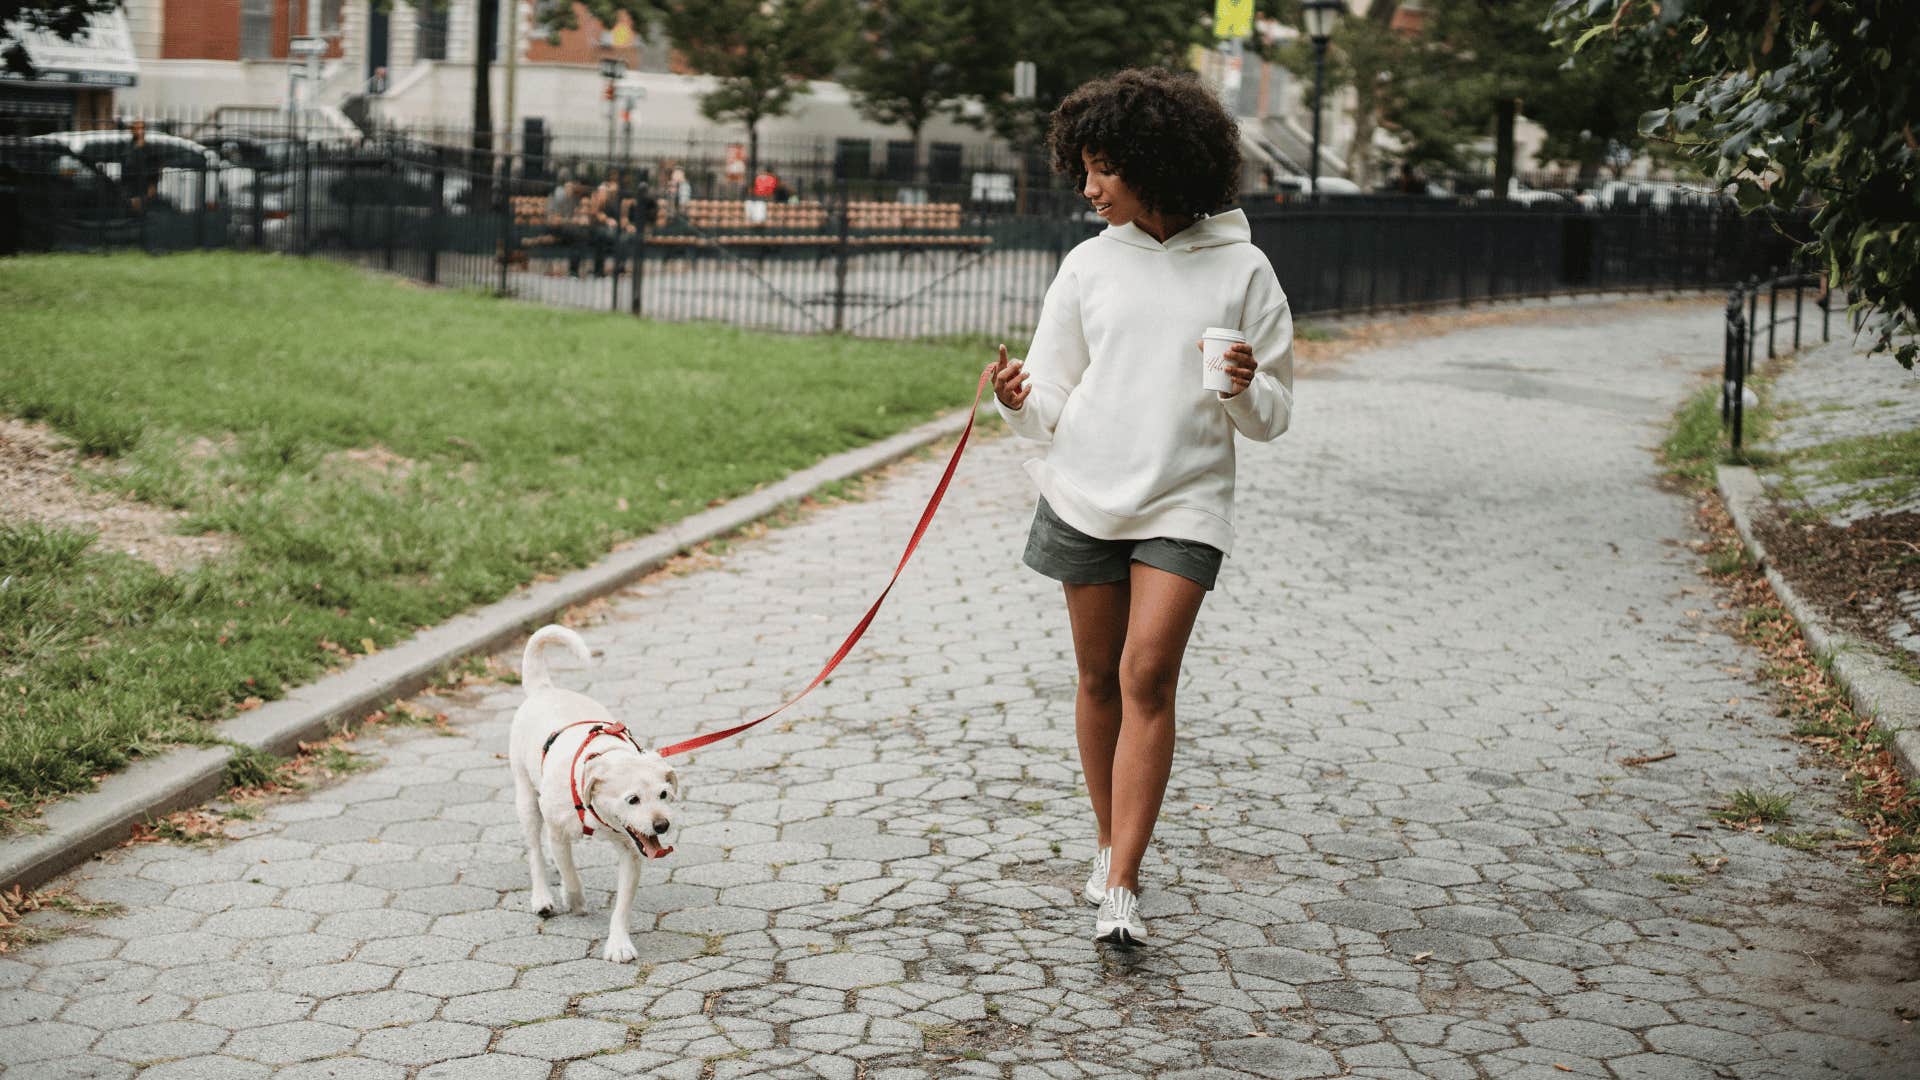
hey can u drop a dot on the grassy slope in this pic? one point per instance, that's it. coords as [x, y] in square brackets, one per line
[225, 385]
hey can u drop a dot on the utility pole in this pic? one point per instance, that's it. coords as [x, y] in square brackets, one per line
[612, 70]
[312, 47]
[513, 71]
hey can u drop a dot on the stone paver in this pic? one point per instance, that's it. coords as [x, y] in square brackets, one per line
[1399, 841]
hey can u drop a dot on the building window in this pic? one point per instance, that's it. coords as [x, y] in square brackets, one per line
[943, 163]
[900, 163]
[256, 29]
[852, 159]
[429, 31]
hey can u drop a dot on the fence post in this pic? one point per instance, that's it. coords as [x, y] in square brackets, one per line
[1739, 391]
[1826, 310]
[1729, 367]
[639, 253]
[259, 211]
[841, 252]
[1773, 309]
[1753, 316]
[502, 202]
[1799, 287]
[393, 199]
[434, 214]
[306, 197]
[200, 207]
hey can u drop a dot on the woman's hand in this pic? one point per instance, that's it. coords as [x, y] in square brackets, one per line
[1240, 366]
[1010, 384]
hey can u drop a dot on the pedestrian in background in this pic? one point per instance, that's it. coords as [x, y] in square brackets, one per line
[1136, 483]
[565, 216]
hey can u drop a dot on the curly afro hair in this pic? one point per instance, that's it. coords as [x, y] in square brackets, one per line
[1166, 134]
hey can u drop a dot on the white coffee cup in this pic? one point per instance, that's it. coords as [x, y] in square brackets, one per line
[1214, 345]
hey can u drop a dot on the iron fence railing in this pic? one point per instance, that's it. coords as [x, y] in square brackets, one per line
[859, 257]
[1743, 329]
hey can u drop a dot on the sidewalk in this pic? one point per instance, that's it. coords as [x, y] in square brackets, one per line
[1400, 840]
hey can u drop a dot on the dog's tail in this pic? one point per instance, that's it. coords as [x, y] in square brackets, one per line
[533, 665]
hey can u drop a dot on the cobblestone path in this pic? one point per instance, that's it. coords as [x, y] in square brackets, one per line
[1399, 842]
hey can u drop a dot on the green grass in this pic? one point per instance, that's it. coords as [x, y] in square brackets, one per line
[1697, 441]
[1747, 804]
[1886, 467]
[522, 441]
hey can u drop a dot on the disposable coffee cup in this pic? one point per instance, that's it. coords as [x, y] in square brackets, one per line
[1214, 345]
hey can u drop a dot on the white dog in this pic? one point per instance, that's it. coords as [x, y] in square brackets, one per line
[577, 772]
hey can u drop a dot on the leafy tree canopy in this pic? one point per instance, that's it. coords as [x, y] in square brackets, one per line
[761, 52]
[65, 19]
[1793, 103]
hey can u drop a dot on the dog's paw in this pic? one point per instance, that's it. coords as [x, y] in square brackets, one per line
[573, 902]
[547, 907]
[620, 950]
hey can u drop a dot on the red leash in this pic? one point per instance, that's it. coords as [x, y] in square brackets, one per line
[926, 517]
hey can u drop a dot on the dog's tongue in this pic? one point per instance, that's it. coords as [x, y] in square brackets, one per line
[650, 846]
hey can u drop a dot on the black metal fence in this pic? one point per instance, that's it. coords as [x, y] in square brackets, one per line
[866, 257]
[1370, 254]
[1744, 328]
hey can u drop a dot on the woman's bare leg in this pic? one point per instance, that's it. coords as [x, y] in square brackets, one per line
[1098, 614]
[1160, 618]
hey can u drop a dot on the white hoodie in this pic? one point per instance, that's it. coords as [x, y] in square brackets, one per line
[1138, 448]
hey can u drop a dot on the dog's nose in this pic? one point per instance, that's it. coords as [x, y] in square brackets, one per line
[660, 825]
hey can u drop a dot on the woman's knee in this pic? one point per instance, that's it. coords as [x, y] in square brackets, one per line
[1149, 681]
[1100, 683]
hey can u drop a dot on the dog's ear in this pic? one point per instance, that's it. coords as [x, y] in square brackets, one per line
[673, 781]
[589, 780]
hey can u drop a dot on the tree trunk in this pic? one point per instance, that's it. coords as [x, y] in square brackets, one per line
[1366, 117]
[753, 150]
[486, 32]
[1504, 112]
[1366, 87]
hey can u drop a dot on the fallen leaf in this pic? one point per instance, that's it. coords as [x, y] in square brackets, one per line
[1561, 1067]
[1202, 806]
[250, 704]
[1423, 958]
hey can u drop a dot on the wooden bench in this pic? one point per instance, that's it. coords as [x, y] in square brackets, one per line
[909, 226]
[732, 214]
[870, 225]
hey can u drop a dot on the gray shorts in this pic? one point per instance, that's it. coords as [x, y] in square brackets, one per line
[1064, 553]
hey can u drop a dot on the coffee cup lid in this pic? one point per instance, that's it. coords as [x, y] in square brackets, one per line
[1224, 333]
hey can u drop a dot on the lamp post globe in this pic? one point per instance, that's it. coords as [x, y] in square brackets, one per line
[1318, 18]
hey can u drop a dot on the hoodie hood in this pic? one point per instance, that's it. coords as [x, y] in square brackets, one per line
[1213, 231]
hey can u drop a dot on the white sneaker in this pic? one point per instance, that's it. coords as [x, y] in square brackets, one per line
[1096, 890]
[1119, 920]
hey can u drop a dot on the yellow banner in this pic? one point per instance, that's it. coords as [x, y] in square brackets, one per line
[1232, 19]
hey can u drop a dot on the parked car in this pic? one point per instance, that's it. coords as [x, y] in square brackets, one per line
[1659, 194]
[1290, 188]
[1525, 196]
[188, 175]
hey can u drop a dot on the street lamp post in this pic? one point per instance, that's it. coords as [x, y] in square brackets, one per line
[612, 70]
[1319, 16]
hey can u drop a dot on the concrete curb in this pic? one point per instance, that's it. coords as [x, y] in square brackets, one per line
[73, 829]
[1877, 689]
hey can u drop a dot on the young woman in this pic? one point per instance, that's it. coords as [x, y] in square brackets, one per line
[1136, 483]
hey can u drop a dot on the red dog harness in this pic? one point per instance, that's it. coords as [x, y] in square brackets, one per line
[580, 756]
